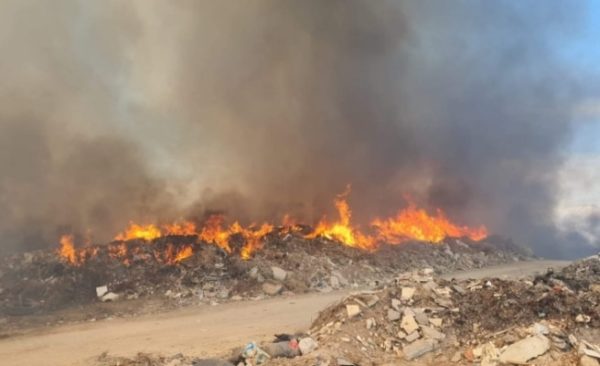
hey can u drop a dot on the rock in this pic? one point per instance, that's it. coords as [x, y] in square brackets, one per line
[352, 310]
[371, 323]
[344, 362]
[429, 332]
[396, 304]
[407, 293]
[412, 336]
[278, 273]
[109, 296]
[437, 322]
[408, 323]
[582, 318]
[586, 360]
[418, 348]
[539, 329]
[393, 315]
[101, 290]
[422, 319]
[489, 355]
[271, 288]
[253, 273]
[525, 349]
[307, 345]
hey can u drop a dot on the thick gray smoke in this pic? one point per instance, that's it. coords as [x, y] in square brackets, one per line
[155, 110]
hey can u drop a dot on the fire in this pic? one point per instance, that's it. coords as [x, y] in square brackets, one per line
[410, 223]
[253, 239]
[67, 249]
[414, 223]
[341, 230]
[135, 231]
[186, 228]
[213, 232]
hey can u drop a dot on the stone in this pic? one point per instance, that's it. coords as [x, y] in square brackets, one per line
[109, 296]
[271, 288]
[352, 310]
[307, 345]
[344, 362]
[396, 304]
[409, 324]
[422, 319]
[489, 355]
[436, 322]
[407, 293]
[418, 349]
[539, 329]
[525, 349]
[586, 360]
[278, 273]
[412, 336]
[393, 315]
[429, 332]
[371, 323]
[282, 349]
[101, 290]
[253, 273]
[582, 318]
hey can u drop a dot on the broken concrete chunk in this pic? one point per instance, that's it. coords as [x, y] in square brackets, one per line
[525, 349]
[109, 296]
[393, 315]
[278, 273]
[421, 318]
[418, 348]
[412, 336]
[101, 290]
[432, 333]
[352, 310]
[307, 345]
[271, 288]
[407, 293]
[437, 322]
[409, 324]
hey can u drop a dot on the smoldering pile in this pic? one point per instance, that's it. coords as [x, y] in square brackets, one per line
[42, 282]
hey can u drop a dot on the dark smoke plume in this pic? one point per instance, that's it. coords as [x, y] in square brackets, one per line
[147, 111]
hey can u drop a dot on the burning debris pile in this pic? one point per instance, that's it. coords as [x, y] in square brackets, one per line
[41, 282]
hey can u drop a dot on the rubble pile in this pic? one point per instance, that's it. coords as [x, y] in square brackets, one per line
[415, 318]
[40, 282]
[486, 322]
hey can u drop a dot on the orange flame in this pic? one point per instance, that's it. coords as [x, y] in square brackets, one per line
[342, 230]
[410, 223]
[414, 223]
[135, 231]
[67, 249]
[186, 228]
[213, 232]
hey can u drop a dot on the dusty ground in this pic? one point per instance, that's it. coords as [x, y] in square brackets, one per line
[200, 331]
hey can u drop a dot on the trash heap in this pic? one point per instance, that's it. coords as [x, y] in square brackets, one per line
[415, 318]
[551, 320]
[40, 282]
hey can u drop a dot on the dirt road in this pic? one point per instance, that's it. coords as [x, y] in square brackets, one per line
[199, 331]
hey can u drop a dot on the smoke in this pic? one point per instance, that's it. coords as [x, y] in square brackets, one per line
[150, 111]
